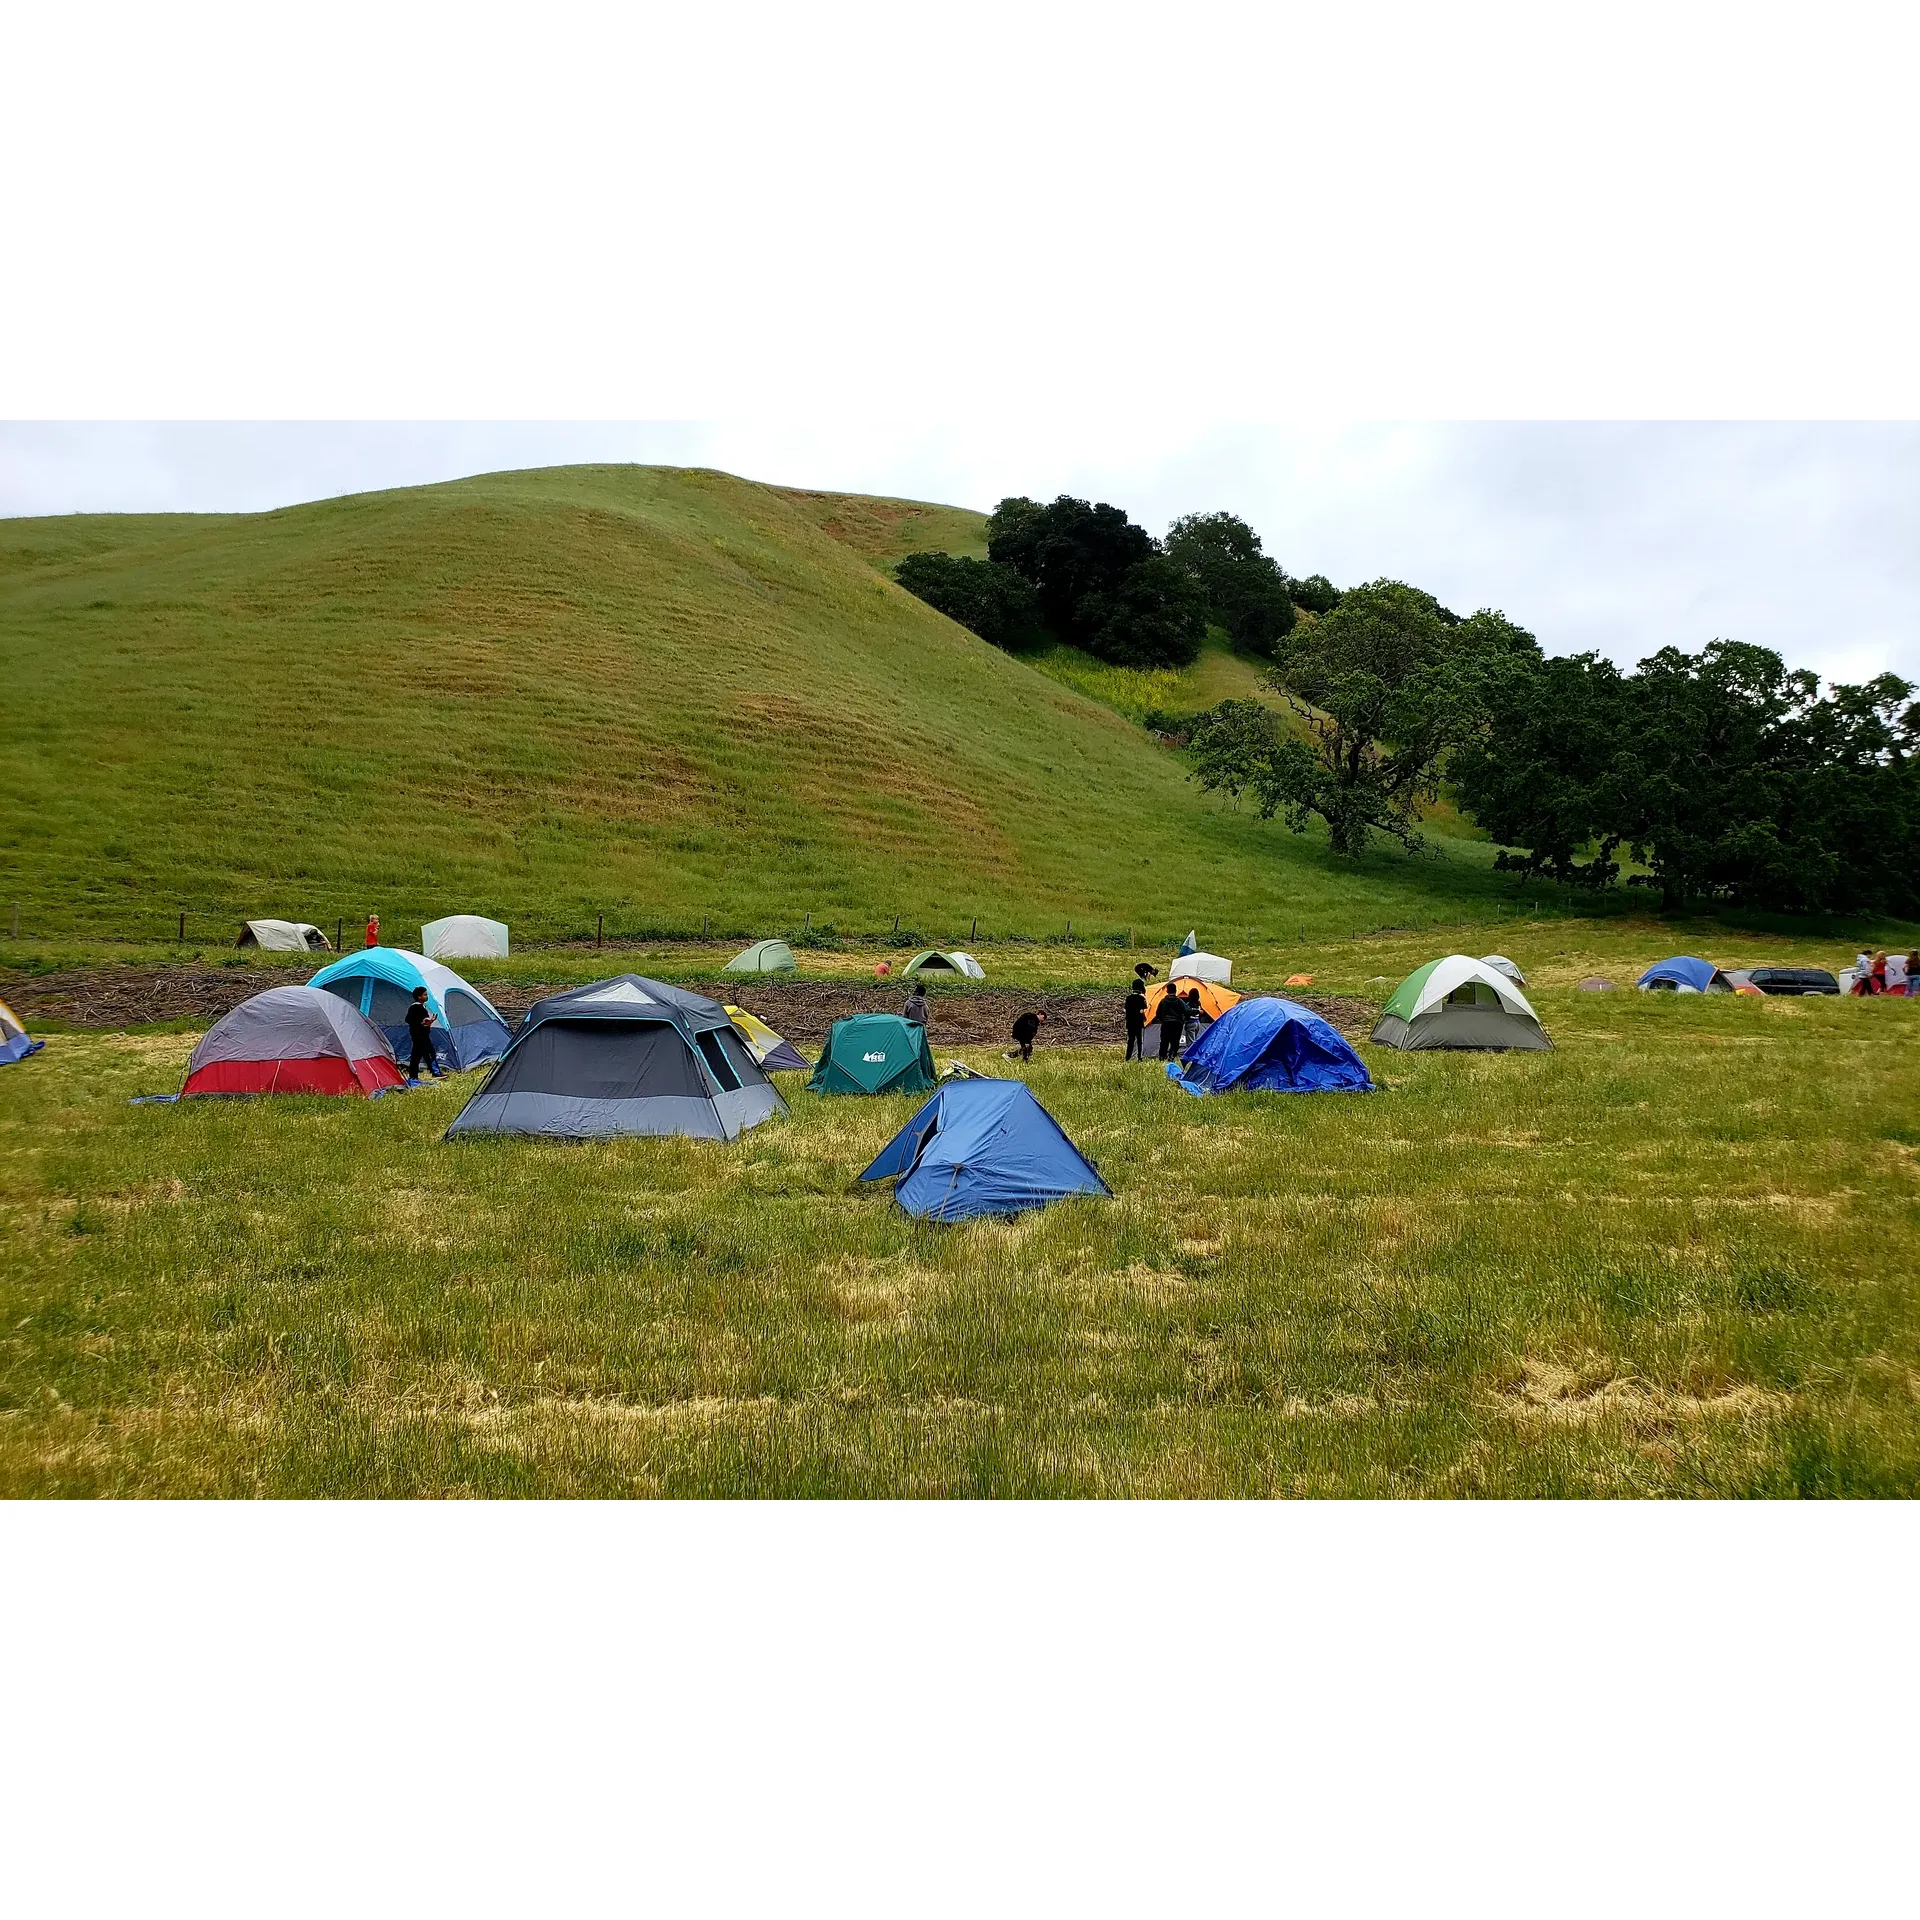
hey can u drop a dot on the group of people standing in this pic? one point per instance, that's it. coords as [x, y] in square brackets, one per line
[1180, 1018]
[1896, 973]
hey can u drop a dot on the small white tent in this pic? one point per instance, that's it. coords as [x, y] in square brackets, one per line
[1201, 966]
[284, 936]
[464, 936]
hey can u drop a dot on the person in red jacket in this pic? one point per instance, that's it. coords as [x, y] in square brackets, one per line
[373, 929]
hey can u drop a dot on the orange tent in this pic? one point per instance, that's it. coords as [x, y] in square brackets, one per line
[1214, 998]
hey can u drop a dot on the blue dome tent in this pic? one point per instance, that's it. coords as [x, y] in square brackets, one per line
[1684, 974]
[1269, 1045]
[983, 1146]
[380, 982]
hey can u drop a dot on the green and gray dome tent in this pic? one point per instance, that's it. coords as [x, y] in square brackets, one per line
[874, 1053]
[1462, 1003]
[934, 961]
[764, 956]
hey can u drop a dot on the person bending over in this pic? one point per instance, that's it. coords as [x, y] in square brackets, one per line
[420, 1035]
[1024, 1030]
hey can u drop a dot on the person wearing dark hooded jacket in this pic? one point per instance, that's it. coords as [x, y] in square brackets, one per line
[1137, 1022]
[1172, 1022]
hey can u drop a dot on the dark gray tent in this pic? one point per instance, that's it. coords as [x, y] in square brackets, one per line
[623, 1056]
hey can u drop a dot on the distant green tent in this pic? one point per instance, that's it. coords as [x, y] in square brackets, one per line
[874, 1053]
[764, 956]
[1457, 1002]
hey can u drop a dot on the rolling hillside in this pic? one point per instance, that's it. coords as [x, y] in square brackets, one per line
[664, 696]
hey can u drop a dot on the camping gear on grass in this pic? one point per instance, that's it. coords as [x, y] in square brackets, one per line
[1684, 974]
[14, 1044]
[292, 1040]
[1214, 1000]
[1594, 983]
[1501, 964]
[874, 1053]
[1459, 1003]
[380, 983]
[283, 936]
[774, 1054]
[930, 961]
[983, 1146]
[464, 936]
[1270, 1045]
[764, 956]
[1201, 966]
[623, 1056]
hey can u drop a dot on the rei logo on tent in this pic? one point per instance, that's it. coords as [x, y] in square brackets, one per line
[878, 1059]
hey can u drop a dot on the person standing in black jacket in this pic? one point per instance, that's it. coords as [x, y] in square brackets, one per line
[420, 1035]
[1137, 1021]
[1172, 1021]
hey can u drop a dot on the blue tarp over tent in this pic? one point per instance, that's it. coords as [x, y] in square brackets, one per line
[380, 982]
[1684, 973]
[1269, 1045]
[983, 1146]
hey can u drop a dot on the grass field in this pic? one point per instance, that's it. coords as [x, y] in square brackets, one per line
[1679, 1255]
[672, 698]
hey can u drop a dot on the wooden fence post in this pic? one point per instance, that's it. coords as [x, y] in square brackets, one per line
[600, 932]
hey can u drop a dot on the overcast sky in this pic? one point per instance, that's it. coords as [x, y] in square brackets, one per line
[1618, 537]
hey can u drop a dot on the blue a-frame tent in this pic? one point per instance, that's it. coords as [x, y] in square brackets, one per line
[983, 1146]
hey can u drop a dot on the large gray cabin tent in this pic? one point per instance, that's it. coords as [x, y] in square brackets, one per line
[623, 1056]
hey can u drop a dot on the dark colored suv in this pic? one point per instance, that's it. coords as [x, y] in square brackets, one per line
[1790, 980]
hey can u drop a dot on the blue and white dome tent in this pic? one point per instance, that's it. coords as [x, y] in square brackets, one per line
[380, 983]
[1684, 974]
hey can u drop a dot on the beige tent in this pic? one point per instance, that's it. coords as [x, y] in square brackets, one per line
[284, 936]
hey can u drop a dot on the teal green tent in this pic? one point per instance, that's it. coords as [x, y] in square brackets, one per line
[874, 1053]
[764, 956]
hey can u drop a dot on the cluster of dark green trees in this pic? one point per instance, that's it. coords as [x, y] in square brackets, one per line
[1084, 574]
[1725, 775]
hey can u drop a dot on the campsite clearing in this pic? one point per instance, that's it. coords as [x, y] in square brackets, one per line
[1679, 1254]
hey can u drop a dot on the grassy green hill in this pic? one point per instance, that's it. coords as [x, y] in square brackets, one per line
[666, 696]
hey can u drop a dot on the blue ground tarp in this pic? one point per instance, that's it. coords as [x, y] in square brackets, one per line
[1268, 1045]
[17, 1047]
[980, 1147]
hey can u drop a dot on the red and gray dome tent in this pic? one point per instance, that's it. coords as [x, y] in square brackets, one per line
[292, 1040]
[623, 1056]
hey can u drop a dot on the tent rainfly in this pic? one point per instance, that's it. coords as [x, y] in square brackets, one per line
[1201, 966]
[464, 936]
[1459, 1003]
[291, 1040]
[1501, 964]
[983, 1146]
[874, 1053]
[623, 1056]
[774, 1054]
[764, 956]
[1269, 1045]
[1684, 974]
[380, 983]
[932, 961]
[14, 1043]
[283, 936]
[1214, 1000]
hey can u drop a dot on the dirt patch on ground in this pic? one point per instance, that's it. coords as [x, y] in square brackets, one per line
[105, 998]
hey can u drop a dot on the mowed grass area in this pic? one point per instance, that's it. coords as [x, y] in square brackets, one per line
[673, 698]
[1679, 1255]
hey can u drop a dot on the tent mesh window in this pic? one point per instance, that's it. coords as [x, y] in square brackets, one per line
[601, 1060]
[745, 1067]
[724, 1070]
[1475, 993]
[463, 1010]
[390, 1004]
[347, 990]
